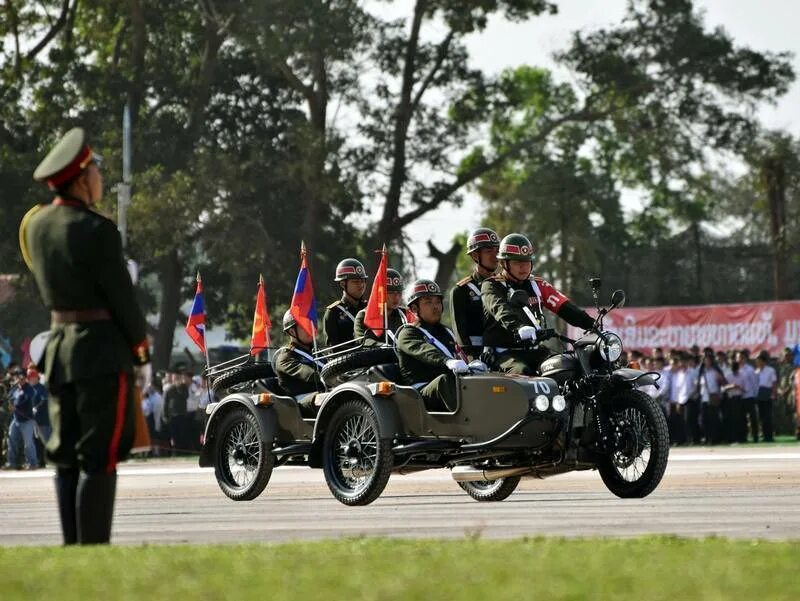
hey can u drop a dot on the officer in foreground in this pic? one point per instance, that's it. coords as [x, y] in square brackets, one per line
[340, 316]
[97, 337]
[295, 366]
[466, 307]
[511, 329]
[429, 358]
[395, 314]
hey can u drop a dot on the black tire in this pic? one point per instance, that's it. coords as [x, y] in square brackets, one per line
[336, 370]
[352, 441]
[242, 459]
[240, 375]
[637, 466]
[491, 490]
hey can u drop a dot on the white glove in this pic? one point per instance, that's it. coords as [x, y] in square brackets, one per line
[478, 365]
[527, 333]
[457, 366]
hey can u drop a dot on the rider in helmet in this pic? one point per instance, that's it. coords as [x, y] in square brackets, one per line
[429, 356]
[509, 326]
[340, 317]
[295, 366]
[396, 315]
[466, 308]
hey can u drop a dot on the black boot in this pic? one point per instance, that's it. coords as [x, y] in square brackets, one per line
[66, 493]
[96, 507]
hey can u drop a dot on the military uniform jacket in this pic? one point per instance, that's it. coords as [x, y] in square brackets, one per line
[502, 319]
[396, 319]
[466, 313]
[77, 261]
[296, 371]
[421, 360]
[339, 321]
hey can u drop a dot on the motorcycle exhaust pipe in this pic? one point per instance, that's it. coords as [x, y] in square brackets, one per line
[468, 473]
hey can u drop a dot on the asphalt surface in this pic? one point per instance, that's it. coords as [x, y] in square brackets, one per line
[741, 492]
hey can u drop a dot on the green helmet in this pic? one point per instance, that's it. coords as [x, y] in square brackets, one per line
[480, 238]
[288, 321]
[423, 288]
[350, 269]
[515, 247]
[394, 281]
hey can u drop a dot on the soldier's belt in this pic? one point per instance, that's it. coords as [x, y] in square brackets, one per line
[78, 316]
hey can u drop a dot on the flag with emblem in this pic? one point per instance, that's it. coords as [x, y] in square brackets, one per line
[196, 325]
[259, 340]
[375, 314]
[304, 305]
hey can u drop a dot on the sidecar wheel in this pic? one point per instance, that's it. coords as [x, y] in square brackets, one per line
[641, 446]
[357, 463]
[491, 490]
[242, 460]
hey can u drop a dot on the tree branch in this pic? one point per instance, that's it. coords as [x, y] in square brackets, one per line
[52, 32]
[441, 53]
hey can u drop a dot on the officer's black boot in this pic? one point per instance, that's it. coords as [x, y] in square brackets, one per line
[67, 492]
[96, 507]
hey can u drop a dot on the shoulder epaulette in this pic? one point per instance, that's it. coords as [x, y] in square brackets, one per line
[23, 243]
[334, 304]
[465, 281]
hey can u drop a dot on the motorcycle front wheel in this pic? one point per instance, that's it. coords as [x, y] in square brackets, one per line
[639, 445]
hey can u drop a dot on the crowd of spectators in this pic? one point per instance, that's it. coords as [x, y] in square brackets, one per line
[717, 397]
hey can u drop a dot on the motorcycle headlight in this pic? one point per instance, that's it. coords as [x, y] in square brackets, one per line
[559, 403]
[610, 348]
[542, 402]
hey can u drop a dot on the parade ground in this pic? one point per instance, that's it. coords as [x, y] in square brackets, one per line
[748, 492]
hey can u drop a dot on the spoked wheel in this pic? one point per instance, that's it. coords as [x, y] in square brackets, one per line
[243, 463]
[640, 446]
[491, 490]
[356, 462]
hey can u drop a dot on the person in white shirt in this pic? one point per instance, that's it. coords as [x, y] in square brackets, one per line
[692, 410]
[767, 391]
[711, 382]
[749, 407]
[677, 400]
[733, 423]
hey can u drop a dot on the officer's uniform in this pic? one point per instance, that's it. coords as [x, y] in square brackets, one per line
[503, 319]
[298, 373]
[339, 321]
[98, 334]
[395, 319]
[423, 350]
[466, 314]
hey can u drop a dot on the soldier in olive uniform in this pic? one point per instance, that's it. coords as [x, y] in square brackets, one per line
[396, 315]
[295, 366]
[340, 317]
[510, 327]
[97, 337]
[466, 307]
[429, 356]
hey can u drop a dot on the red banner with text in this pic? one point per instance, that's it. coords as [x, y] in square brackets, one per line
[756, 326]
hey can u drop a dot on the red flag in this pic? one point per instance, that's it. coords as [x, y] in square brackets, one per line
[374, 317]
[304, 304]
[196, 325]
[261, 323]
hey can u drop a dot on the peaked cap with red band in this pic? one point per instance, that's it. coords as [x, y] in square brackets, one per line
[66, 161]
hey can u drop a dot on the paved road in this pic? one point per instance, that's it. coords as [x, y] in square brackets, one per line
[747, 492]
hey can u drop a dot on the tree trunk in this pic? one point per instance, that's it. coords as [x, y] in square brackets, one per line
[447, 263]
[170, 277]
[698, 262]
[774, 176]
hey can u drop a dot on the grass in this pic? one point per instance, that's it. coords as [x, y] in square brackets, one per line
[651, 568]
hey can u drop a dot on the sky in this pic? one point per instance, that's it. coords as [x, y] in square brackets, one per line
[759, 24]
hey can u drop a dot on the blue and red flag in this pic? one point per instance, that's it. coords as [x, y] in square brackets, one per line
[304, 305]
[196, 324]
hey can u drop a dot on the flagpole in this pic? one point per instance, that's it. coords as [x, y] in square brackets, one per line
[385, 302]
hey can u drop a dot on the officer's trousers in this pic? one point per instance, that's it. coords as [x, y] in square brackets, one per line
[525, 363]
[440, 393]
